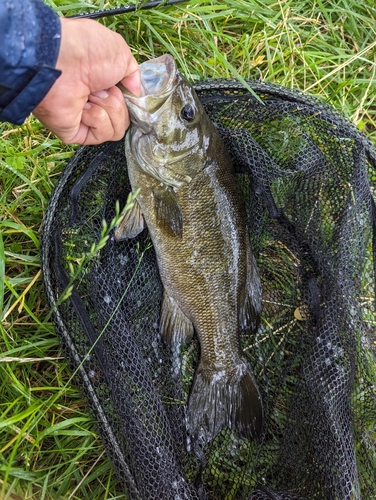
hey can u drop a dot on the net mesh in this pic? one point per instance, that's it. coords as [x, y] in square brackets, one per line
[307, 176]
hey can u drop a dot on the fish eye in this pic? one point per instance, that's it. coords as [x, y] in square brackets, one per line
[188, 113]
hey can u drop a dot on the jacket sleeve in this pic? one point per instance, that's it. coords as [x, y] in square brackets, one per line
[29, 47]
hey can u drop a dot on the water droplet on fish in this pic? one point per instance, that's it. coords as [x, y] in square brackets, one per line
[107, 299]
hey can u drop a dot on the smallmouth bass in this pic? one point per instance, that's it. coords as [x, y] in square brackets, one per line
[192, 207]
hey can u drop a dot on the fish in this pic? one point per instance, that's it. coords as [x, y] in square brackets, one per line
[190, 202]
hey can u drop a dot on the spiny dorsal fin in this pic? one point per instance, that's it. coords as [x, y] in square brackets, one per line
[167, 211]
[131, 224]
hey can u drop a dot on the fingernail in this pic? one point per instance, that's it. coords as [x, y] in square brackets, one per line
[100, 93]
[87, 105]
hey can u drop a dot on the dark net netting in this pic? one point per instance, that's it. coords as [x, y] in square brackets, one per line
[307, 176]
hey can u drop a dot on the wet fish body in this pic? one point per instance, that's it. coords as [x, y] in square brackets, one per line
[190, 202]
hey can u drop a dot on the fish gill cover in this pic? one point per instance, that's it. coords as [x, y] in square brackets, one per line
[307, 177]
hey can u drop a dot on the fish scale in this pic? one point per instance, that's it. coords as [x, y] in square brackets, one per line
[191, 205]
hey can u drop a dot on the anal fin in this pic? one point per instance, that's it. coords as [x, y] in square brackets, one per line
[176, 329]
[167, 210]
[131, 224]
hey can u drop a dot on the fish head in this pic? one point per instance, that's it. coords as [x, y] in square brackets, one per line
[170, 131]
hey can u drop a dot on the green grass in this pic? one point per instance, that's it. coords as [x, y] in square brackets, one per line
[48, 446]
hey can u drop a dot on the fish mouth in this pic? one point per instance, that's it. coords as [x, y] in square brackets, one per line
[159, 78]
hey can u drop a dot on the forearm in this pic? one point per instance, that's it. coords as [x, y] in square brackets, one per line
[29, 47]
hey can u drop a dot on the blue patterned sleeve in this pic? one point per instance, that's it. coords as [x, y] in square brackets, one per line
[29, 47]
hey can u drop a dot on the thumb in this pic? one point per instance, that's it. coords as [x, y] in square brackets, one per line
[132, 82]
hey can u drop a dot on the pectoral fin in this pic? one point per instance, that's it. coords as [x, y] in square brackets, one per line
[175, 327]
[167, 211]
[131, 224]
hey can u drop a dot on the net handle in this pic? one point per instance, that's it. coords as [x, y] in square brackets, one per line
[124, 10]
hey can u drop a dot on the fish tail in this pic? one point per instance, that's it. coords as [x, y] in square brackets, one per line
[222, 399]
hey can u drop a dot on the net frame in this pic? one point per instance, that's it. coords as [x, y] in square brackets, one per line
[307, 176]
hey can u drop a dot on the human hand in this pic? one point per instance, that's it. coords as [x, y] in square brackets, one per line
[84, 106]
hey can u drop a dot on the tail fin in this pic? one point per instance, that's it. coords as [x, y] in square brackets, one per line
[222, 399]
